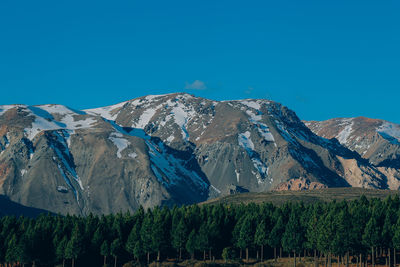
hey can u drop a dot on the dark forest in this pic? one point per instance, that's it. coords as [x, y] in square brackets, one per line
[347, 231]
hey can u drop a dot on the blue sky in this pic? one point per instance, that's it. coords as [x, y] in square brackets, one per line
[322, 59]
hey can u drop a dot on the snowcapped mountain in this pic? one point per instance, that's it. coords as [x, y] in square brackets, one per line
[377, 141]
[169, 149]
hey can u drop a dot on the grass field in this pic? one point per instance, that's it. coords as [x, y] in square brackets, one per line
[309, 196]
[282, 262]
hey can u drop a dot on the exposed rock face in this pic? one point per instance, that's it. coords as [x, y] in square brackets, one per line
[377, 141]
[299, 185]
[165, 150]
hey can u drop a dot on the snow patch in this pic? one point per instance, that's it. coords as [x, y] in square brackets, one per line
[62, 189]
[216, 189]
[5, 108]
[6, 141]
[65, 162]
[108, 112]
[170, 138]
[285, 133]
[237, 176]
[73, 124]
[262, 128]
[67, 136]
[391, 130]
[245, 141]
[45, 121]
[169, 169]
[260, 166]
[60, 109]
[132, 155]
[152, 97]
[344, 135]
[251, 104]
[120, 142]
[31, 153]
[182, 116]
[68, 182]
[146, 116]
[134, 132]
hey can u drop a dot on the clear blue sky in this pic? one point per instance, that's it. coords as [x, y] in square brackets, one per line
[323, 59]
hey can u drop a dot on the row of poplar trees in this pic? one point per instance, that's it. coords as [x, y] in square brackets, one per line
[358, 231]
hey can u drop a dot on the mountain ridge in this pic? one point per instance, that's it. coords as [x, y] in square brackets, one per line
[169, 149]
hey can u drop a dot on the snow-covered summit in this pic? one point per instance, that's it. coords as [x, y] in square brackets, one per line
[374, 139]
[50, 117]
[178, 148]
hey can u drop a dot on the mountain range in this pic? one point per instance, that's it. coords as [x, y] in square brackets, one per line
[181, 149]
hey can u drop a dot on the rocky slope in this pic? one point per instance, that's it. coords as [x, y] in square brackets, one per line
[377, 141]
[165, 150]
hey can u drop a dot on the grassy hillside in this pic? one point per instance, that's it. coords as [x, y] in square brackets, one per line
[310, 196]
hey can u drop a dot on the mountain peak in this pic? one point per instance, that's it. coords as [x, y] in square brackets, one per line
[178, 148]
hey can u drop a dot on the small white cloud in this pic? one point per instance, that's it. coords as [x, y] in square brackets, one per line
[196, 85]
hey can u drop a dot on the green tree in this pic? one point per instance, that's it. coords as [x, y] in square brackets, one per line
[41, 241]
[179, 236]
[275, 236]
[261, 236]
[371, 236]
[13, 253]
[326, 232]
[105, 251]
[138, 250]
[134, 238]
[246, 236]
[228, 254]
[160, 235]
[292, 238]
[101, 233]
[60, 250]
[146, 234]
[191, 243]
[343, 238]
[396, 237]
[387, 233]
[311, 230]
[116, 249]
[74, 247]
[360, 215]
[202, 241]
[212, 235]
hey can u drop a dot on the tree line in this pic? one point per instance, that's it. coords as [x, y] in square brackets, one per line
[361, 230]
